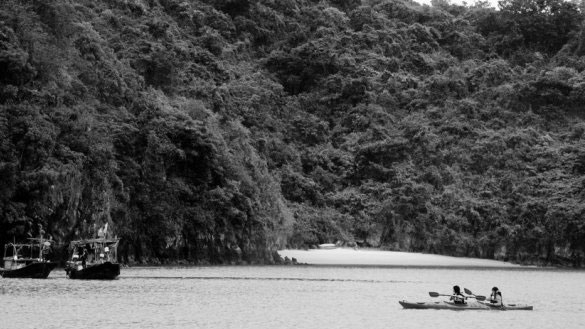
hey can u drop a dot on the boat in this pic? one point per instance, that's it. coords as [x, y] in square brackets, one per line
[93, 259]
[27, 260]
[445, 305]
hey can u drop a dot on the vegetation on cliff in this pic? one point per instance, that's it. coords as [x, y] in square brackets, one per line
[220, 130]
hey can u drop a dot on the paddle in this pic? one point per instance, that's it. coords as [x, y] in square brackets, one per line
[479, 297]
[436, 294]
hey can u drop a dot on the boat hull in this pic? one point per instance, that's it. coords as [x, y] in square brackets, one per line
[469, 306]
[105, 271]
[36, 270]
[509, 307]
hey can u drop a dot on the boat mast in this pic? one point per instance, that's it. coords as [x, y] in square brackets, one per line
[41, 246]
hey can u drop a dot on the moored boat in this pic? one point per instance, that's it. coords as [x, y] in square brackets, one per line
[445, 305]
[27, 260]
[93, 259]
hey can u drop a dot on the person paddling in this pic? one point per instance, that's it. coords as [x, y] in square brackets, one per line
[457, 296]
[496, 297]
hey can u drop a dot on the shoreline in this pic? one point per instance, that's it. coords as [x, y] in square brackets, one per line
[385, 258]
[366, 258]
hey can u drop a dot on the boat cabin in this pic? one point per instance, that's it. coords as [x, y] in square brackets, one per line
[19, 255]
[93, 251]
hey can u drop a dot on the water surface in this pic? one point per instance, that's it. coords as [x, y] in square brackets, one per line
[288, 297]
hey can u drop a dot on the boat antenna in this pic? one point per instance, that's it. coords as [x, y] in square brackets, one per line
[40, 241]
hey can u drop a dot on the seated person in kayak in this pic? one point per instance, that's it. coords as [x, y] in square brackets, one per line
[457, 296]
[496, 297]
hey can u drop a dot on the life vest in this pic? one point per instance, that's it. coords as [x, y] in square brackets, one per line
[496, 298]
[458, 299]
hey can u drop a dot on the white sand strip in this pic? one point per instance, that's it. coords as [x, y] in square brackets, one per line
[372, 257]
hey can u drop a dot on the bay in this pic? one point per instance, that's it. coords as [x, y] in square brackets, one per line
[290, 297]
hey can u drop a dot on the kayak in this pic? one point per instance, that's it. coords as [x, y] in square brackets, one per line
[508, 307]
[444, 305]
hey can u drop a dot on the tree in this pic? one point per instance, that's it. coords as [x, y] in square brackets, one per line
[545, 25]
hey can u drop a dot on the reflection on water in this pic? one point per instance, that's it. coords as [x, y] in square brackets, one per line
[258, 278]
[287, 297]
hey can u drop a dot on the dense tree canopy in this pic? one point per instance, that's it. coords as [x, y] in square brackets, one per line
[219, 130]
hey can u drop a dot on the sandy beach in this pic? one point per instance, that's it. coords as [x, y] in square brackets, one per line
[373, 257]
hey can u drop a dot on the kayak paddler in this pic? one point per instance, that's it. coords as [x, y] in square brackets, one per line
[457, 296]
[496, 297]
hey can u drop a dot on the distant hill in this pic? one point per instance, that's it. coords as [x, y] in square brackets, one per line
[218, 131]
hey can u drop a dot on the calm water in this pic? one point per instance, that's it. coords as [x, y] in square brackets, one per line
[288, 297]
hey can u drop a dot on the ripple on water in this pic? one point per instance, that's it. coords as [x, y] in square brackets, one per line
[285, 297]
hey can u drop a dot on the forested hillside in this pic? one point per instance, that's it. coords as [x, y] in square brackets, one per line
[214, 131]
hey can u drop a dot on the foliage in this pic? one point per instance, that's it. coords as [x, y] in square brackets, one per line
[217, 131]
[533, 25]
